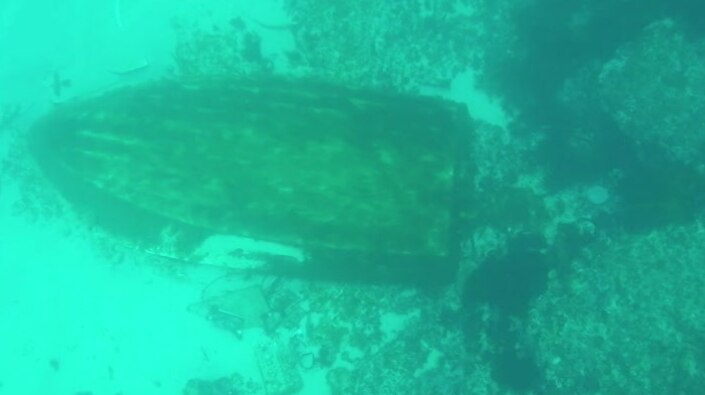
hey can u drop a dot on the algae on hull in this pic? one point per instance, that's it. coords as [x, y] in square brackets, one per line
[351, 176]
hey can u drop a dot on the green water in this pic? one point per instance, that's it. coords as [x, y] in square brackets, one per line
[352, 197]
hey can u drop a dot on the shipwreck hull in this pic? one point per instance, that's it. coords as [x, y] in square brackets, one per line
[368, 185]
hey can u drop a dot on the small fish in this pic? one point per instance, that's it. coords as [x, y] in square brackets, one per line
[58, 85]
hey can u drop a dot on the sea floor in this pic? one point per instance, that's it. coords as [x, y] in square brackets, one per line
[78, 318]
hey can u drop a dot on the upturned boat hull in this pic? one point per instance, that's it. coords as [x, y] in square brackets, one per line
[368, 185]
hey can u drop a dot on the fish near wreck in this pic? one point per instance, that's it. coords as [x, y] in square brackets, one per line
[368, 185]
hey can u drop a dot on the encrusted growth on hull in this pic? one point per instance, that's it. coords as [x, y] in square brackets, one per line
[324, 168]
